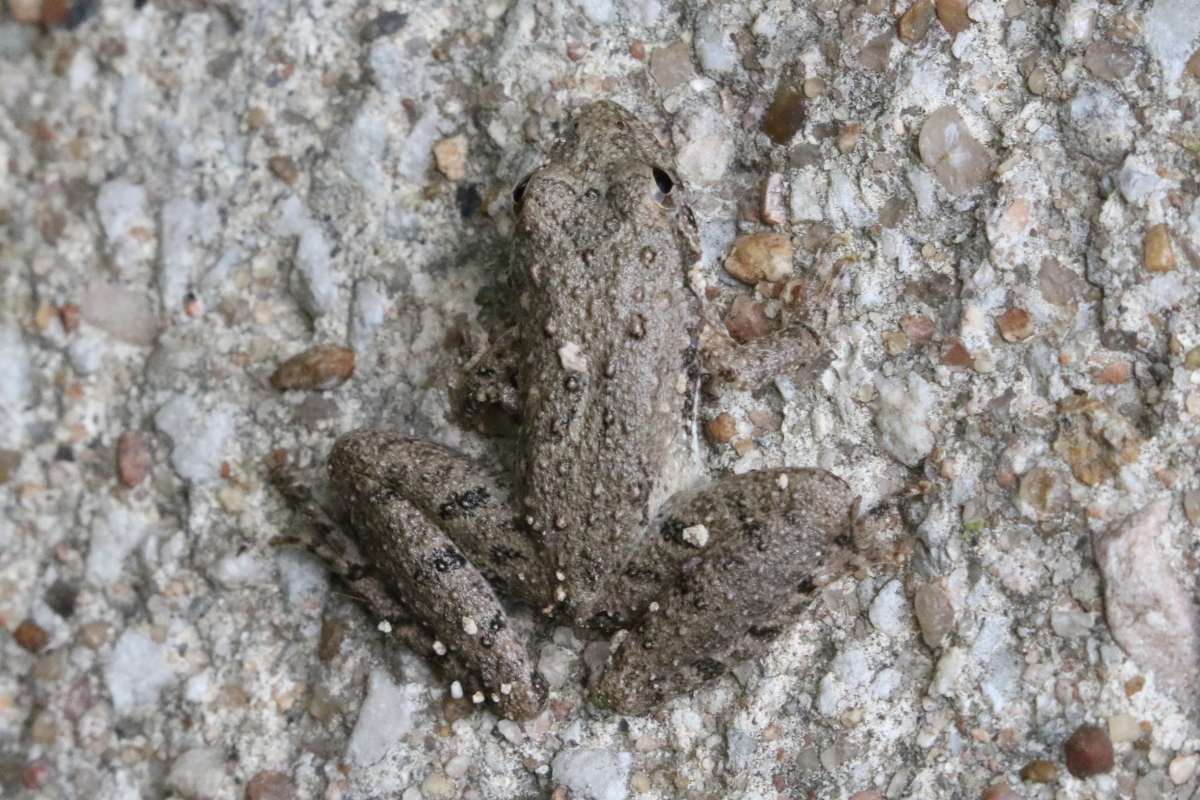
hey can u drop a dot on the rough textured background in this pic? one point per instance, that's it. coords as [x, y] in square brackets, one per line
[1005, 222]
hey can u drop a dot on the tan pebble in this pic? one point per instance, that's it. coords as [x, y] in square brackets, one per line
[46, 313]
[325, 366]
[133, 459]
[451, 157]
[948, 148]
[1191, 360]
[1191, 506]
[1123, 728]
[1193, 65]
[954, 355]
[637, 49]
[1044, 494]
[895, 342]
[1038, 81]
[1039, 772]
[1192, 404]
[953, 16]
[256, 118]
[639, 782]
[31, 636]
[1015, 325]
[270, 786]
[743, 446]
[94, 634]
[914, 23]
[849, 137]
[232, 498]
[44, 729]
[1182, 768]
[765, 421]
[721, 428]
[284, 168]
[1159, 252]
[1094, 440]
[814, 88]
[25, 10]
[1112, 373]
[866, 795]
[1108, 61]
[671, 66]
[999, 791]
[761, 256]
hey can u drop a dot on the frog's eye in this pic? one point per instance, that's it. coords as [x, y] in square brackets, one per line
[663, 183]
[519, 191]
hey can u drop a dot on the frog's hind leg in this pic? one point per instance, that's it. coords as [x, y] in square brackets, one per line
[441, 534]
[759, 543]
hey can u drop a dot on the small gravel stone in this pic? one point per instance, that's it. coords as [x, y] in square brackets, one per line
[918, 329]
[36, 774]
[329, 642]
[953, 16]
[1107, 60]
[10, 460]
[1094, 440]
[1112, 373]
[761, 256]
[814, 88]
[1015, 325]
[31, 636]
[722, 428]
[133, 459]
[1088, 752]
[785, 115]
[590, 773]
[322, 367]
[671, 66]
[1123, 728]
[198, 773]
[999, 791]
[947, 147]
[1159, 251]
[1191, 505]
[1182, 768]
[284, 168]
[889, 610]
[451, 157]
[747, 320]
[1044, 494]
[773, 205]
[1039, 772]
[935, 614]
[901, 415]
[271, 786]
[914, 23]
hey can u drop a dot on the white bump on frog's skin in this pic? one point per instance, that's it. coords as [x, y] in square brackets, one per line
[478, 698]
[439, 648]
[696, 535]
[560, 576]
[506, 688]
[384, 627]
[783, 480]
[534, 271]
[551, 326]
[560, 594]
[456, 690]
[654, 607]
[469, 627]
[572, 357]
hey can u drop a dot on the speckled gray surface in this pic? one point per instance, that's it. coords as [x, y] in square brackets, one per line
[192, 192]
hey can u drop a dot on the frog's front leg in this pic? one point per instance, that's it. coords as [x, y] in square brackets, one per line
[758, 543]
[442, 534]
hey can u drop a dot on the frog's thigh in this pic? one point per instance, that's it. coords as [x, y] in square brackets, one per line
[760, 540]
[415, 507]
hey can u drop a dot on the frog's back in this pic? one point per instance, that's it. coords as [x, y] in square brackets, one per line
[601, 255]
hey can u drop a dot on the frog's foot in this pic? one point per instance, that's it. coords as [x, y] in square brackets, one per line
[795, 352]
[752, 548]
[441, 534]
[486, 396]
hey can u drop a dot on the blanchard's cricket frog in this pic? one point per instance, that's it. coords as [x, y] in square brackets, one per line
[595, 526]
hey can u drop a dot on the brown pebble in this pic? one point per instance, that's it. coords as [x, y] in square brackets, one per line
[637, 49]
[1059, 285]
[914, 23]
[31, 636]
[895, 342]
[69, 316]
[133, 458]
[762, 256]
[94, 634]
[1089, 751]
[330, 640]
[917, 329]
[1191, 506]
[44, 315]
[325, 366]
[785, 116]
[25, 10]
[953, 16]
[721, 428]
[1159, 255]
[322, 705]
[36, 774]
[849, 137]
[948, 148]
[10, 460]
[1193, 65]
[284, 168]
[746, 320]
[999, 791]
[1015, 325]
[866, 795]
[256, 118]
[54, 11]
[1039, 772]
[1112, 373]
[1094, 440]
[954, 355]
[1044, 494]
[270, 786]
[671, 66]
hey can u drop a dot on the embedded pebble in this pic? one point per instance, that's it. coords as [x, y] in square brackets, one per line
[1107, 60]
[785, 115]
[271, 786]
[721, 428]
[1088, 752]
[999, 791]
[671, 66]
[889, 610]
[947, 147]
[593, 774]
[901, 414]
[1151, 614]
[1015, 325]
[1123, 728]
[1071, 624]
[914, 23]
[198, 773]
[935, 613]
[318, 368]
[1159, 251]
[953, 16]
[761, 256]
[31, 636]
[1045, 493]
[124, 314]
[137, 671]
[746, 320]
[1040, 772]
[1182, 768]
[451, 157]
[554, 664]
[133, 459]
[1191, 505]
[773, 205]
[284, 168]
[197, 436]
[1094, 440]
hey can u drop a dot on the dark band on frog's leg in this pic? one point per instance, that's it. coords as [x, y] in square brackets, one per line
[394, 489]
[765, 537]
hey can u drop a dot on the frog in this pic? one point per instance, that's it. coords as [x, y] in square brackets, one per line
[603, 524]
